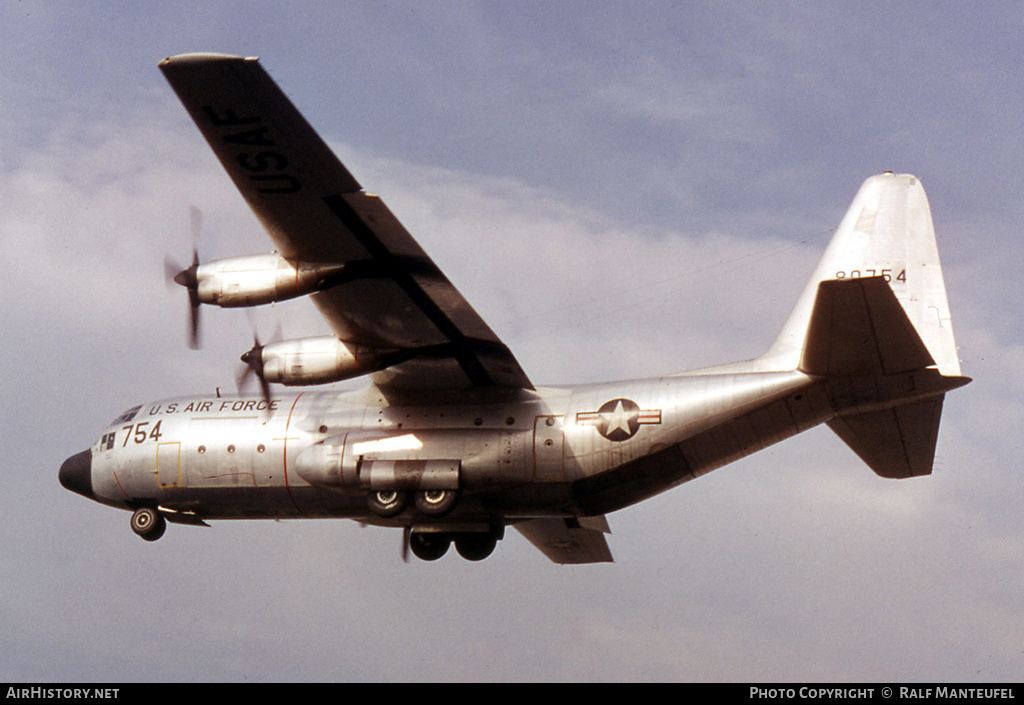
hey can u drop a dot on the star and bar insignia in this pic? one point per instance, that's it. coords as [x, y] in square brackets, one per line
[619, 419]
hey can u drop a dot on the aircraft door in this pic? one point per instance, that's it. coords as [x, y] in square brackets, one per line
[549, 448]
[168, 464]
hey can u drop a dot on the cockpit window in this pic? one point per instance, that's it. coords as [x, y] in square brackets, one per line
[126, 416]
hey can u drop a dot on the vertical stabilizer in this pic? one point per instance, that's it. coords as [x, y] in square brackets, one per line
[888, 233]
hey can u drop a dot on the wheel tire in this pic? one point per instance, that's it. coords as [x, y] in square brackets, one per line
[388, 503]
[436, 503]
[476, 547]
[429, 546]
[148, 523]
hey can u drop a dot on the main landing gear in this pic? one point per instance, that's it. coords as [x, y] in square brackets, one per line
[473, 546]
[148, 523]
[429, 545]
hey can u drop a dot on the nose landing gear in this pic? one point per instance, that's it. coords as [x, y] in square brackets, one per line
[148, 523]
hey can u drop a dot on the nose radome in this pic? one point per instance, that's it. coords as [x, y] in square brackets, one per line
[76, 474]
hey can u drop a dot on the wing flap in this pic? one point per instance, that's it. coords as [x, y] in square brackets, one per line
[386, 231]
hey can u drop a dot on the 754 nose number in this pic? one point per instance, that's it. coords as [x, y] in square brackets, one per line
[141, 432]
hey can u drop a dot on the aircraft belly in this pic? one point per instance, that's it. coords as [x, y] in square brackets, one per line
[264, 503]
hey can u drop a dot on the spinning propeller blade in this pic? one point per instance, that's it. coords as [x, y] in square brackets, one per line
[188, 277]
[253, 360]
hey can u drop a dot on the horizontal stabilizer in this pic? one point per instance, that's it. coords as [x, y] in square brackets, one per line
[859, 328]
[895, 443]
[569, 540]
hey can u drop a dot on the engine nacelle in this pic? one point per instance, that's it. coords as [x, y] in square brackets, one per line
[319, 360]
[260, 279]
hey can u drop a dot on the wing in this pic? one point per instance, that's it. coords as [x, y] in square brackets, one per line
[569, 541]
[390, 294]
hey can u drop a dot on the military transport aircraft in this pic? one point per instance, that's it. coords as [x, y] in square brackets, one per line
[451, 441]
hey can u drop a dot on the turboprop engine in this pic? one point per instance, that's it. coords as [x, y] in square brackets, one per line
[255, 280]
[318, 360]
[248, 281]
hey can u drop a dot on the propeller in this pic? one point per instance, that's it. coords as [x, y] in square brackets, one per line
[406, 533]
[188, 276]
[253, 360]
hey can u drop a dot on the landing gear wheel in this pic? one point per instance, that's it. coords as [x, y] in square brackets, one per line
[436, 503]
[429, 546]
[476, 547]
[388, 503]
[148, 523]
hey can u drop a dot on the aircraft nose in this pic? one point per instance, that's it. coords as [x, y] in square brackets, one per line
[76, 474]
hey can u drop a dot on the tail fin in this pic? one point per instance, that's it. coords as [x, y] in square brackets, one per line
[874, 322]
[887, 233]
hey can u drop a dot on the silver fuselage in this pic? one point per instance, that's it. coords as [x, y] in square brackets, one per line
[573, 451]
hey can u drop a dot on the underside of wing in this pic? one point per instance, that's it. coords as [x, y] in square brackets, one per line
[389, 295]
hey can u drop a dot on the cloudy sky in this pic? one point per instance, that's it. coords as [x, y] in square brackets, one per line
[621, 189]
